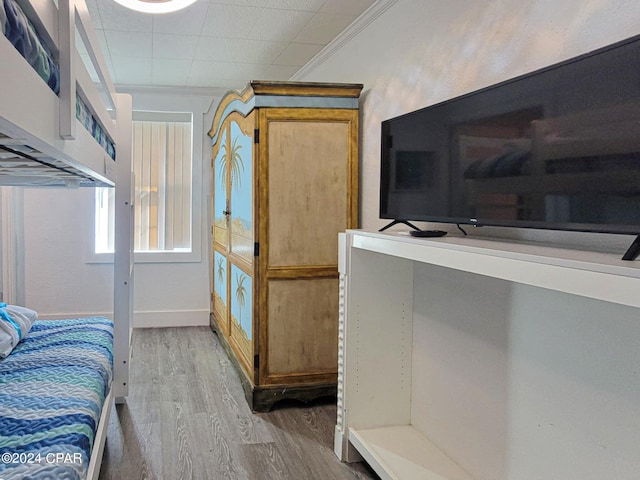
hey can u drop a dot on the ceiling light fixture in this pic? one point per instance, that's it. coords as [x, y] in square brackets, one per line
[155, 6]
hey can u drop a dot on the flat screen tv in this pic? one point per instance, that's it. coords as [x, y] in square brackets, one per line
[558, 148]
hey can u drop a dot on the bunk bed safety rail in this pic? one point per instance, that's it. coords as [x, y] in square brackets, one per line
[47, 141]
[74, 78]
[43, 36]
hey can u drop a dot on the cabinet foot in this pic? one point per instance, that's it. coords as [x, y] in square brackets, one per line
[264, 398]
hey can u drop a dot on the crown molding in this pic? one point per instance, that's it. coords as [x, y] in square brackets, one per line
[359, 24]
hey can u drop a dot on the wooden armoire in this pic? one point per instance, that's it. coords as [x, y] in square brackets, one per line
[285, 182]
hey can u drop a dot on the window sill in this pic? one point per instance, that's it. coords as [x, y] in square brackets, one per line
[149, 257]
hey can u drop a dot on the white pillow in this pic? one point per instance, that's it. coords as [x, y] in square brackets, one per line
[15, 323]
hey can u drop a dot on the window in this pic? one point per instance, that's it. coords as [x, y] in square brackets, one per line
[162, 164]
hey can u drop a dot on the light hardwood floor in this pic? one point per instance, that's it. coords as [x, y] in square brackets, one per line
[186, 418]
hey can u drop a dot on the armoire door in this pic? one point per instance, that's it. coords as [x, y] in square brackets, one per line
[240, 166]
[234, 235]
[220, 273]
[310, 176]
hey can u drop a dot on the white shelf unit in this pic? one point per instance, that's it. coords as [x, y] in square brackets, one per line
[466, 359]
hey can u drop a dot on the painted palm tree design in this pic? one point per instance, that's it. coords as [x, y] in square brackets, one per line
[241, 293]
[232, 160]
[220, 271]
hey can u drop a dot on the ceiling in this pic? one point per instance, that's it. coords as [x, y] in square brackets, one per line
[218, 43]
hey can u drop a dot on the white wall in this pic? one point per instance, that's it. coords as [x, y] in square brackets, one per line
[60, 283]
[417, 53]
[11, 235]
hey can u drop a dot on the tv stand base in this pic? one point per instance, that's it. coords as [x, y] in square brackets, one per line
[633, 251]
[395, 222]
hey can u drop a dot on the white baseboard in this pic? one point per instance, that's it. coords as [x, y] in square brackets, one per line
[65, 316]
[147, 319]
[174, 318]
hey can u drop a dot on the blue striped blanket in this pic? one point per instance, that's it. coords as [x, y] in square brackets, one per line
[52, 389]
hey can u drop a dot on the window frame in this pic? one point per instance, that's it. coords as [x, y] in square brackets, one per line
[165, 256]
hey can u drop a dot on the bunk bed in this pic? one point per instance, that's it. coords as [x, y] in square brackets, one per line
[60, 129]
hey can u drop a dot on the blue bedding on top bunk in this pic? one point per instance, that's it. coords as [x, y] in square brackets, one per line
[24, 37]
[83, 114]
[52, 390]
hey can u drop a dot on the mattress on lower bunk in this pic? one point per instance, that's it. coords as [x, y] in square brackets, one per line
[52, 390]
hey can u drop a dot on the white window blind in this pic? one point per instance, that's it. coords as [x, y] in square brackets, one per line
[162, 164]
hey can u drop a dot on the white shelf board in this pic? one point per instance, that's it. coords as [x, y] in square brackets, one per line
[402, 452]
[564, 270]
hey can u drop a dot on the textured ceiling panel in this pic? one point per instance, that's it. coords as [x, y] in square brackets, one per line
[218, 43]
